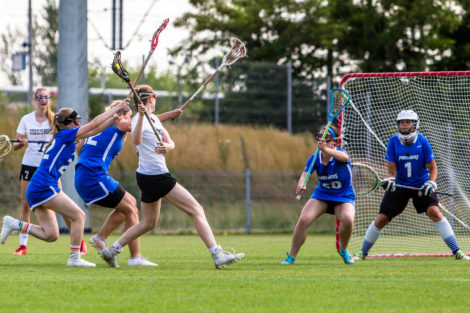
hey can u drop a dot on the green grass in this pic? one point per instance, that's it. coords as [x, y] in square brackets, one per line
[186, 280]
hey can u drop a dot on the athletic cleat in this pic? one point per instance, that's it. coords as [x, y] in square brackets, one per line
[20, 251]
[99, 243]
[360, 256]
[289, 260]
[109, 255]
[461, 256]
[10, 224]
[346, 257]
[223, 258]
[83, 248]
[140, 261]
[75, 260]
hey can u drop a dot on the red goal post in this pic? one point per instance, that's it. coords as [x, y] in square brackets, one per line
[442, 101]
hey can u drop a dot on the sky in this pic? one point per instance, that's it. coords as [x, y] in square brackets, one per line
[99, 25]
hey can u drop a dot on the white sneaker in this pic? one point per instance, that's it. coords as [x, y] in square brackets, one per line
[109, 255]
[9, 224]
[99, 243]
[75, 260]
[140, 261]
[223, 258]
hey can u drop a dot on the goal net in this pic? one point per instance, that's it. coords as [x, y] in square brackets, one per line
[442, 101]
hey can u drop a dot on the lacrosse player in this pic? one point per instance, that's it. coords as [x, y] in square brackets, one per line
[95, 185]
[34, 126]
[333, 195]
[410, 163]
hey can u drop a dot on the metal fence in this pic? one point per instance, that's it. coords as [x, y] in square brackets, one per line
[223, 194]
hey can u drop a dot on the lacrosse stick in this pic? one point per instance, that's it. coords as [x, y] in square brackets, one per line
[365, 180]
[124, 75]
[5, 144]
[339, 98]
[237, 52]
[153, 45]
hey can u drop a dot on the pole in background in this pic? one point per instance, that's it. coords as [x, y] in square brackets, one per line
[72, 81]
[120, 24]
[247, 185]
[328, 88]
[216, 104]
[113, 25]
[30, 54]
[289, 97]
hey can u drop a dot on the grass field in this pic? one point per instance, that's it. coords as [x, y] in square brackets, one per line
[186, 280]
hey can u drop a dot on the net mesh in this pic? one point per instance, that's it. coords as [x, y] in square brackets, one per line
[5, 146]
[338, 99]
[364, 179]
[237, 51]
[442, 101]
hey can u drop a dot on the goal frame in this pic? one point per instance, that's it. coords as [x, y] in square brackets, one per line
[349, 76]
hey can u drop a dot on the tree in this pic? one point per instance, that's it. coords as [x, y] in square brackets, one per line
[46, 45]
[11, 42]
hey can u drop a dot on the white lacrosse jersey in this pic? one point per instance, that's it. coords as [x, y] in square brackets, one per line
[35, 131]
[150, 163]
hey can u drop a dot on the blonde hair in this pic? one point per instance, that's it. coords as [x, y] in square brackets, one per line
[49, 113]
[58, 123]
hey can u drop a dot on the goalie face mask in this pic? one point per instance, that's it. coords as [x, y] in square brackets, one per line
[408, 135]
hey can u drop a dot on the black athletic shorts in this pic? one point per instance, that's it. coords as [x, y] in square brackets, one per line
[27, 172]
[154, 187]
[393, 203]
[330, 209]
[113, 199]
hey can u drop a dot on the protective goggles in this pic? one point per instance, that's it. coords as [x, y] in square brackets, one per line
[39, 98]
[73, 117]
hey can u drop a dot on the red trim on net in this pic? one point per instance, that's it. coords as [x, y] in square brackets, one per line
[410, 255]
[402, 74]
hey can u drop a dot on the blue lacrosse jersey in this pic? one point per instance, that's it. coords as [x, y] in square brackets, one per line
[92, 180]
[59, 155]
[334, 179]
[99, 151]
[410, 160]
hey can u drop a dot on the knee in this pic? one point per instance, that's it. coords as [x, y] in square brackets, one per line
[381, 221]
[51, 237]
[148, 225]
[304, 222]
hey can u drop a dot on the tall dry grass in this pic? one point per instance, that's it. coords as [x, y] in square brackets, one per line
[204, 147]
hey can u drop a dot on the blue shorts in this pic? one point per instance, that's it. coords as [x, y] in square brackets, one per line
[93, 186]
[37, 195]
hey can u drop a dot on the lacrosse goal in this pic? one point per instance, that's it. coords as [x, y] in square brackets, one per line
[442, 101]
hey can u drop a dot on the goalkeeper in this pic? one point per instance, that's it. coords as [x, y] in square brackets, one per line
[333, 195]
[410, 163]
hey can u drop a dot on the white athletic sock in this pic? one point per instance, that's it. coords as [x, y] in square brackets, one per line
[372, 234]
[23, 239]
[117, 246]
[447, 234]
[213, 249]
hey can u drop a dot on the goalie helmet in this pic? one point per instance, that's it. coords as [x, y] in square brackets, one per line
[409, 135]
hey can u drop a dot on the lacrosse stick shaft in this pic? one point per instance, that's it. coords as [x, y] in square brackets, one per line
[141, 72]
[325, 132]
[29, 141]
[201, 88]
[146, 114]
[417, 188]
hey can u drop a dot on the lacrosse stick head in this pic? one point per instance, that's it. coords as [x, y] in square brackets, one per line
[157, 33]
[5, 146]
[237, 52]
[119, 69]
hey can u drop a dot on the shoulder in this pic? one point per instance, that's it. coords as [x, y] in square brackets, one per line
[27, 117]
